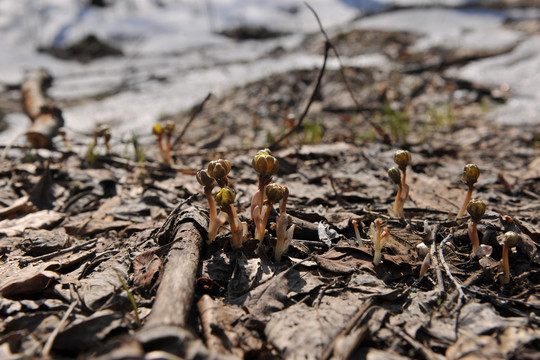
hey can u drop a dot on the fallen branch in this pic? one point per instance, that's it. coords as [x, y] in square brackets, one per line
[50, 341]
[175, 293]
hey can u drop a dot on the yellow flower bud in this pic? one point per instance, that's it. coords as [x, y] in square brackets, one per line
[402, 158]
[225, 196]
[477, 209]
[470, 175]
[219, 168]
[264, 163]
[157, 129]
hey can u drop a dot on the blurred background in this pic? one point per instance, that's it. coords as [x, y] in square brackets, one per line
[128, 63]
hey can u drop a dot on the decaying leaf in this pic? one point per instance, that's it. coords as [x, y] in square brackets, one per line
[43, 219]
[29, 280]
[146, 269]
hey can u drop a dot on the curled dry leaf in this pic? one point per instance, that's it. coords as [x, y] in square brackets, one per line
[146, 269]
[30, 280]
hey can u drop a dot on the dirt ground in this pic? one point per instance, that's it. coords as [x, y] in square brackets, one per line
[106, 257]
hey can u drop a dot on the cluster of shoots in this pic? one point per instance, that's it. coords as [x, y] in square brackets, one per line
[266, 166]
[399, 176]
[470, 175]
[510, 240]
[379, 237]
[262, 202]
[265, 197]
[164, 133]
[216, 173]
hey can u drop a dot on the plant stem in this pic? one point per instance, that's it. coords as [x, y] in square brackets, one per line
[468, 197]
[473, 235]
[505, 279]
[213, 225]
[398, 206]
[261, 225]
[236, 229]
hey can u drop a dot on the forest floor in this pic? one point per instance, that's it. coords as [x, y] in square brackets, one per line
[84, 238]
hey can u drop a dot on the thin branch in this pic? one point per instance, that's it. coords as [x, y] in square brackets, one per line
[376, 127]
[48, 345]
[196, 111]
[417, 345]
[59, 252]
[447, 268]
[298, 125]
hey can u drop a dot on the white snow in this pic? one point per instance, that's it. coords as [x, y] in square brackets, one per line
[174, 55]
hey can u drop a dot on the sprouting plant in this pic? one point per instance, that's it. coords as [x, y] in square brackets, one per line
[379, 237]
[357, 233]
[225, 198]
[395, 175]
[510, 240]
[397, 120]
[104, 132]
[284, 236]
[266, 166]
[214, 223]
[169, 129]
[313, 132]
[476, 209]
[158, 130]
[399, 176]
[130, 297]
[274, 194]
[139, 153]
[470, 175]
[218, 170]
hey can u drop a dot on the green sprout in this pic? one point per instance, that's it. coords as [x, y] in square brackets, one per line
[470, 175]
[130, 297]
